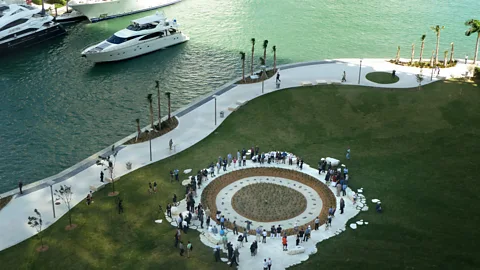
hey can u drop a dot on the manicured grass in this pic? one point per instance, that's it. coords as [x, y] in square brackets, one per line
[415, 150]
[382, 77]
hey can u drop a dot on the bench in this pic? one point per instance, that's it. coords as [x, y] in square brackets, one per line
[321, 82]
[241, 102]
[233, 107]
[306, 83]
[296, 250]
[336, 82]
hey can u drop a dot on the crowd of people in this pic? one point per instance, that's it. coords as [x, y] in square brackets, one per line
[337, 176]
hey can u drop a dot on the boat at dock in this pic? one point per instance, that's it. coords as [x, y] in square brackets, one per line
[23, 26]
[97, 10]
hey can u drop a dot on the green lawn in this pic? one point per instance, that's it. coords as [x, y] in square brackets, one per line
[382, 77]
[414, 150]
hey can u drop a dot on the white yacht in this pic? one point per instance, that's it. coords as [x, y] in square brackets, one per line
[22, 26]
[97, 10]
[143, 36]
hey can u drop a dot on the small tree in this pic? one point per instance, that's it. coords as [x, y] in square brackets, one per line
[36, 222]
[274, 49]
[397, 57]
[420, 79]
[65, 194]
[422, 47]
[242, 57]
[262, 62]
[253, 51]
[150, 102]
[445, 56]
[451, 52]
[169, 104]
[139, 131]
[265, 45]
[413, 53]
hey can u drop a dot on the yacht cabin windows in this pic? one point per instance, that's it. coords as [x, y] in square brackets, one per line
[14, 23]
[118, 40]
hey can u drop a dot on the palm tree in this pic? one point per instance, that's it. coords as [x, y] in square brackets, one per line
[397, 57]
[265, 44]
[150, 101]
[274, 49]
[423, 46]
[451, 53]
[139, 131]
[474, 28]
[262, 62]
[437, 30]
[169, 107]
[413, 53]
[242, 57]
[159, 111]
[431, 59]
[445, 55]
[253, 50]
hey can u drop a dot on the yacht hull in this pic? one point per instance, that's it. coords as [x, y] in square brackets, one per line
[99, 11]
[138, 49]
[32, 39]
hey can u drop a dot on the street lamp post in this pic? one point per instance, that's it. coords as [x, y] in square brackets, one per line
[263, 77]
[215, 98]
[51, 183]
[150, 148]
[431, 76]
[360, 71]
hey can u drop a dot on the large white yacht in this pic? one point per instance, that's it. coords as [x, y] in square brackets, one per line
[22, 26]
[97, 10]
[143, 36]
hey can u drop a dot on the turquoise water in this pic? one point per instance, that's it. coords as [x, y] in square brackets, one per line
[57, 109]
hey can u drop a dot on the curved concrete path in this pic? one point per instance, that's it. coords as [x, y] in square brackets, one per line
[196, 122]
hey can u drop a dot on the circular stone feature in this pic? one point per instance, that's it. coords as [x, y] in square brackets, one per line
[267, 202]
[382, 77]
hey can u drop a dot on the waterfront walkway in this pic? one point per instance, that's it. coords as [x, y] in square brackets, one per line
[195, 123]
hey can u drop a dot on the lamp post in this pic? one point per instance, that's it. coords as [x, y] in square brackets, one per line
[263, 77]
[150, 148]
[431, 76]
[215, 98]
[360, 71]
[51, 183]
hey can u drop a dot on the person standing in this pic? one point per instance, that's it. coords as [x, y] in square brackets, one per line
[235, 228]
[342, 205]
[222, 222]
[244, 160]
[182, 249]
[189, 249]
[301, 164]
[348, 153]
[339, 188]
[284, 243]
[155, 186]
[298, 240]
[218, 167]
[229, 157]
[176, 171]
[317, 223]
[258, 233]
[216, 253]
[265, 264]
[307, 233]
[169, 210]
[101, 176]
[20, 186]
[466, 59]
[269, 263]
[239, 158]
[273, 231]
[264, 238]
[344, 76]
[279, 231]
[301, 233]
[150, 187]
[245, 234]
[170, 144]
[200, 217]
